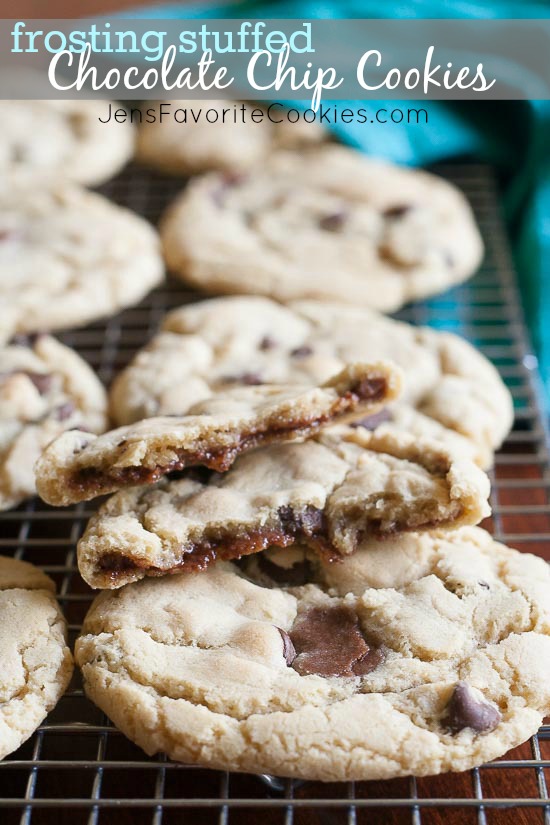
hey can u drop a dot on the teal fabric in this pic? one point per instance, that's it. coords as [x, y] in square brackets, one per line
[513, 135]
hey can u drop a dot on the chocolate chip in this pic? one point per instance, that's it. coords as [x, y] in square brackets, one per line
[333, 222]
[466, 710]
[288, 648]
[370, 388]
[312, 521]
[396, 212]
[29, 340]
[64, 411]
[250, 379]
[294, 576]
[233, 179]
[371, 422]
[309, 521]
[228, 181]
[288, 518]
[329, 642]
[301, 352]
[268, 342]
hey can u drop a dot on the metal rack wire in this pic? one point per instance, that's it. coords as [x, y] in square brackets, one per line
[78, 769]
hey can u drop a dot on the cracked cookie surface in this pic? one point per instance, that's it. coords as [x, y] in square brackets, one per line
[77, 466]
[450, 391]
[45, 389]
[69, 256]
[419, 654]
[63, 138]
[330, 492]
[36, 662]
[328, 224]
[203, 144]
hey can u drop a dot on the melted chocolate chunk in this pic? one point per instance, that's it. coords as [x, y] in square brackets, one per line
[64, 411]
[369, 661]
[333, 222]
[288, 648]
[301, 352]
[200, 557]
[294, 576]
[90, 478]
[396, 212]
[466, 710]
[329, 642]
[371, 422]
[268, 343]
[116, 563]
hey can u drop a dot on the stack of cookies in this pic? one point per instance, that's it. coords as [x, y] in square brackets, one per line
[292, 579]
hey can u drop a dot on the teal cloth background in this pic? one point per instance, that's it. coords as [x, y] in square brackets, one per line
[513, 135]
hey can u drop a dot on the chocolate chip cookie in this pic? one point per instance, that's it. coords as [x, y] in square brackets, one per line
[45, 389]
[78, 466]
[36, 662]
[326, 224]
[210, 138]
[419, 654]
[63, 139]
[330, 492]
[69, 256]
[450, 391]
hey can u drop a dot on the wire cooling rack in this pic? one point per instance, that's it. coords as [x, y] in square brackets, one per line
[78, 769]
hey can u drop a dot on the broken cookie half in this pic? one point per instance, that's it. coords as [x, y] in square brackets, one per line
[80, 466]
[329, 492]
